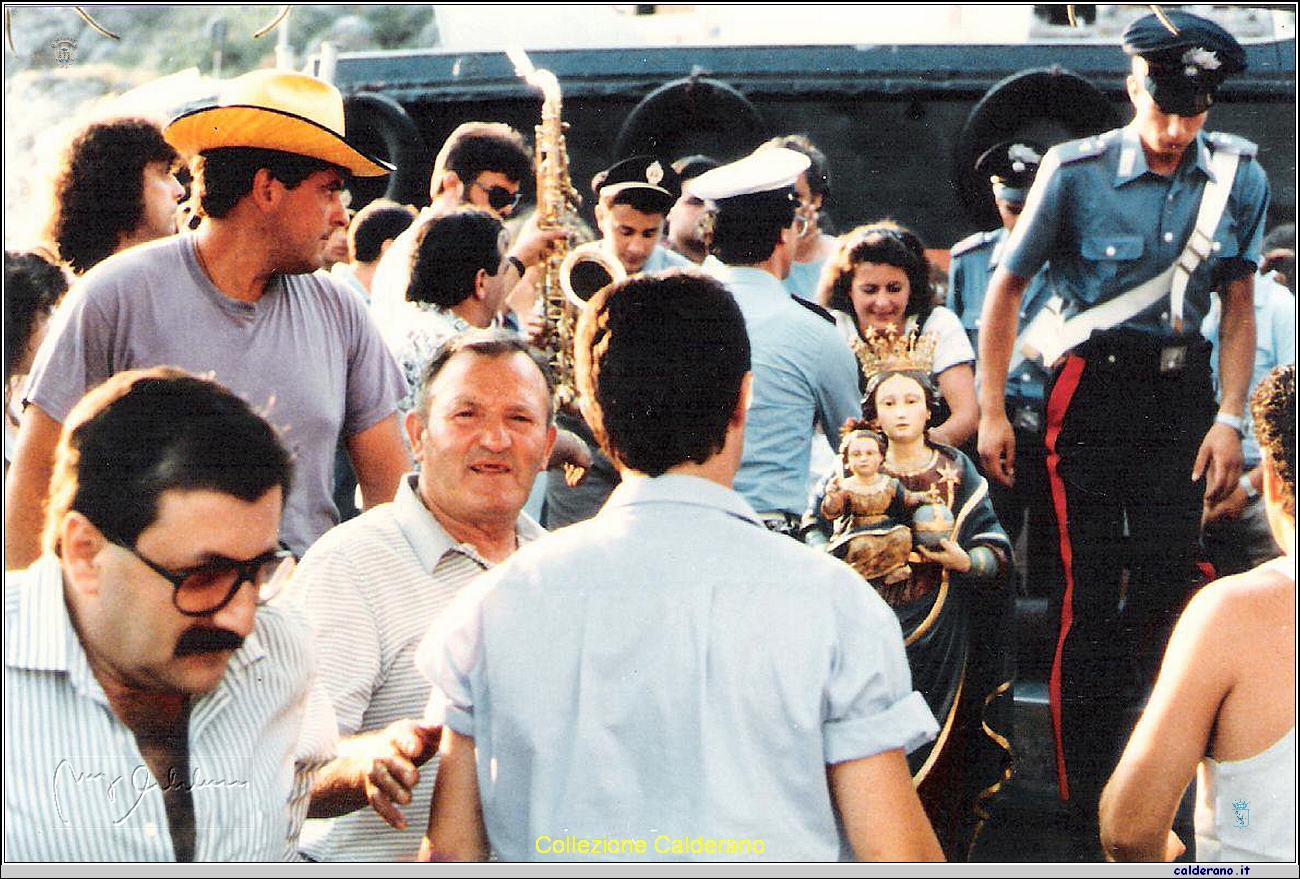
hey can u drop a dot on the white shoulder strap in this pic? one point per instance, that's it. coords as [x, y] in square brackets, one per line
[1201, 243]
[1049, 335]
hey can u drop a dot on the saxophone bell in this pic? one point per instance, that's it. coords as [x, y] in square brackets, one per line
[587, 270]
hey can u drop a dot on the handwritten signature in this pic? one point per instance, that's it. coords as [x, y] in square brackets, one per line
[141, 783]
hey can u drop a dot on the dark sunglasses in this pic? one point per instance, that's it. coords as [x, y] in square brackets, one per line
[499, 197]
[207, 588]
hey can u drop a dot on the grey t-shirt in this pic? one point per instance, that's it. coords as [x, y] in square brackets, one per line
[306, 356]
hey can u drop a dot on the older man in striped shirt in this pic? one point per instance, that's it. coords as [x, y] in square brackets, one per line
[481, 430]
[153, 712]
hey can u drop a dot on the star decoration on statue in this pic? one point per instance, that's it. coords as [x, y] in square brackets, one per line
[949, 476]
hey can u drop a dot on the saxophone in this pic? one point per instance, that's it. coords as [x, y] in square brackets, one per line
[557, 204]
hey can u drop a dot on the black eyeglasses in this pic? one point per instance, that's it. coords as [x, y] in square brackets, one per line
[499, 197]
[207, 588]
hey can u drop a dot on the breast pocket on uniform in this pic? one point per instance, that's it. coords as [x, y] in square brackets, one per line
[1109, 252]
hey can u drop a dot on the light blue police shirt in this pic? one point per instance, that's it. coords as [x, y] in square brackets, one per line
[1107, 223]
[804, 278]
[973, 262]
[804, 372]
[669, 670]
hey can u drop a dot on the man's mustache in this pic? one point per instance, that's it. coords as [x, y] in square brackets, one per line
[206, 640]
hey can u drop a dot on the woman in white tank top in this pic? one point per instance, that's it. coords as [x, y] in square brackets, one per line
[1225, 699]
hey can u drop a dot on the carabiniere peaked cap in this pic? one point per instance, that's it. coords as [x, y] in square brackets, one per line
[274, 110]
[1184, 69]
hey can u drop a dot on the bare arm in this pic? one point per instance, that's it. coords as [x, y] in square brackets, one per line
[1219, 457]
[379, 458]
[456, 831]
[1139, 802]
[998, 325]
[957, 386]
[380, 768]
[882, 815]
[27, 485]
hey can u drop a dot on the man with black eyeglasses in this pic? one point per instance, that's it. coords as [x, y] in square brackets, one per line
[155, 711]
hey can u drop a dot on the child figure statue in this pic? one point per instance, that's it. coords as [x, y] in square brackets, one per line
[866, 506]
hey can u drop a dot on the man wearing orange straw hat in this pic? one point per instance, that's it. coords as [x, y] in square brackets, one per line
[235, 299]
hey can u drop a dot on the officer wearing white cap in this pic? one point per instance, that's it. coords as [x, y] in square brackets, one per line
[804, 371]
[1010, 167]
[1138, 225]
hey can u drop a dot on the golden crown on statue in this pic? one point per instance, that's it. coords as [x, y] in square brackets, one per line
[889, 351]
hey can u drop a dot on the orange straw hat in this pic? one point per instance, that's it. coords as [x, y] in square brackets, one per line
[274, 110]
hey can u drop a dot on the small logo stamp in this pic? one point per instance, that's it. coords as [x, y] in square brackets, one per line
[65, 51]
[1241, 814]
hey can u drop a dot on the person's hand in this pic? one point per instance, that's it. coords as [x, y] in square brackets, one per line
[572, 454]
[949, 554]
[536, 330]
[1227, 510]
[997, 447]
[533, 242]
[391, 771]
[1174, 847]
[1219, 461]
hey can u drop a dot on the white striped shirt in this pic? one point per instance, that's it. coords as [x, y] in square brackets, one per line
[371, 587]
[76, 786]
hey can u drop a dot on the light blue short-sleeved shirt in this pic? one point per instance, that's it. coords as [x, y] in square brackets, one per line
[804, 372]
[1275, 322]
[662, 259]
[670, 670]
[804, 278]
[1108, 224]
[974, 260]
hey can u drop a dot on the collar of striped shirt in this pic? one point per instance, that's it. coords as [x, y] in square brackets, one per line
[77, 787]
[429, 540]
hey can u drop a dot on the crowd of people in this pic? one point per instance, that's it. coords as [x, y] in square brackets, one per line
[667, 620]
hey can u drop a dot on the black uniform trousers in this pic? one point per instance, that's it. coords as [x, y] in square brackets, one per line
[1121, 432]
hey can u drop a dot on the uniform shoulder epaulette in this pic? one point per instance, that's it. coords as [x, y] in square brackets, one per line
[972, 242]
[1084, 148]
[815, 309]
[1231, 143]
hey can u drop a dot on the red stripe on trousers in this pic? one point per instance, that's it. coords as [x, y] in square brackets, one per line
[1062, 393]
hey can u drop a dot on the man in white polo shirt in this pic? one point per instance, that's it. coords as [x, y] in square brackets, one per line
[481, 430]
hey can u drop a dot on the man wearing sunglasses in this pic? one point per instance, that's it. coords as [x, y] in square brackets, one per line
[482, 165]
[154, 710]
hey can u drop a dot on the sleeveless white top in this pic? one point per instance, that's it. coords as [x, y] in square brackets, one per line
[1246, 809]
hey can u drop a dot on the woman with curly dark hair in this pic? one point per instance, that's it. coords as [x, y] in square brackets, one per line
[879, 279]
[115, 187]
